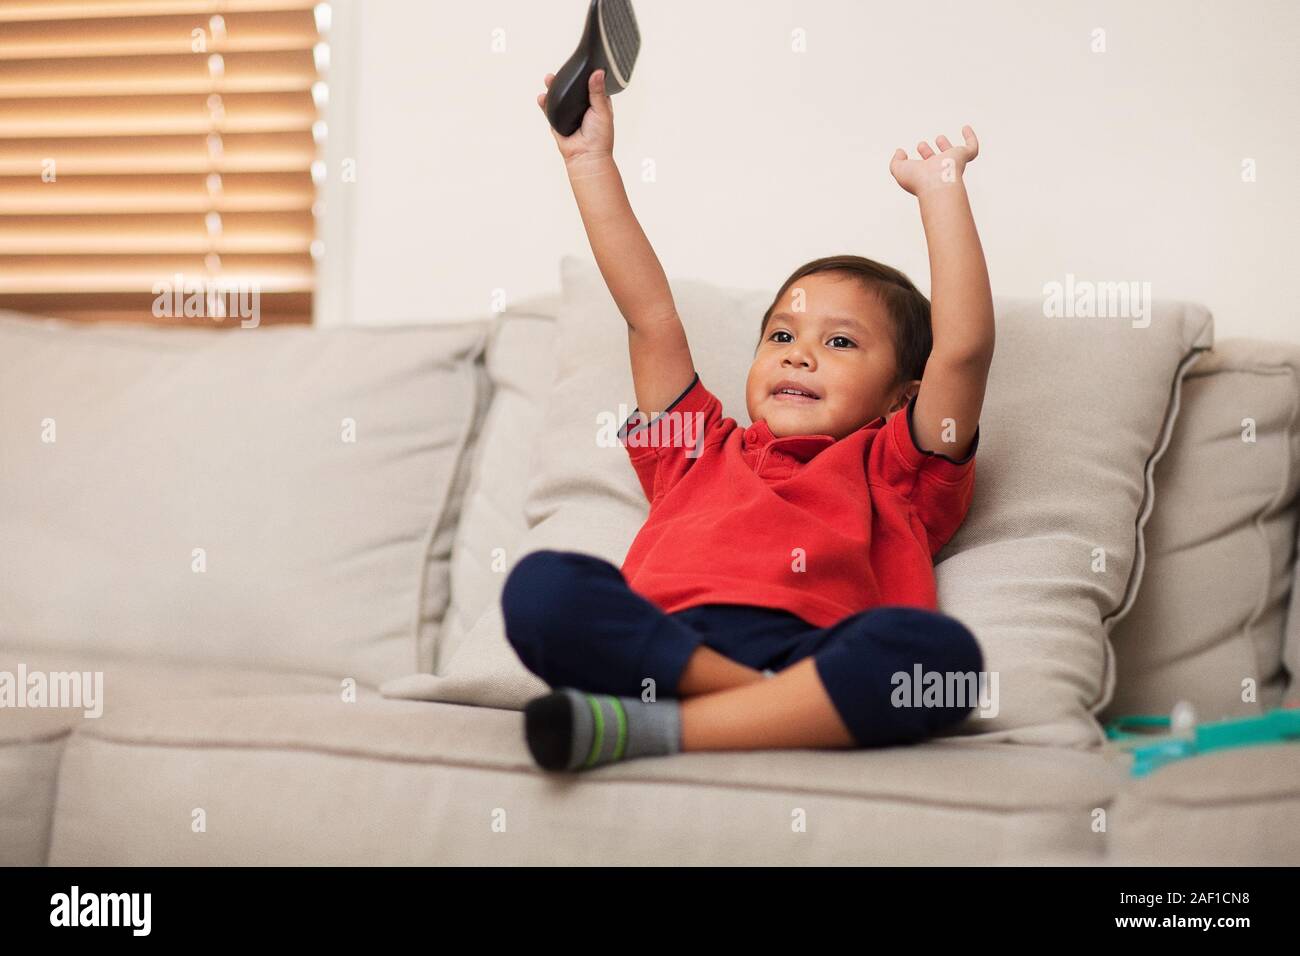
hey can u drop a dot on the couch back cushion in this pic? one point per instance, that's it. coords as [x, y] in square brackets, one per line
[521, 369]
[280, 498]
[1208, 623]
[1076, 414]
[1291, 643]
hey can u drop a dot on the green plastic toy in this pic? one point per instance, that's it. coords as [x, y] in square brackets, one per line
[1151, 751]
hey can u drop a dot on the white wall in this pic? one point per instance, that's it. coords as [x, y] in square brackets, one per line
[1117, 166]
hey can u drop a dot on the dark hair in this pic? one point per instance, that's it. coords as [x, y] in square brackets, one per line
[909, 310]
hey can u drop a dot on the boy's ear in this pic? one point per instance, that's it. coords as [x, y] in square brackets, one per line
[905, 395]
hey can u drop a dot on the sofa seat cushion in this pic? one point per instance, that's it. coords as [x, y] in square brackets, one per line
[309, 779]
[31, 743]
[32, 738]
[1238, 807]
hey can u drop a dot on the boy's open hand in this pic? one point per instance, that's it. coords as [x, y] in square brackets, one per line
[595, 137]
[934, 169]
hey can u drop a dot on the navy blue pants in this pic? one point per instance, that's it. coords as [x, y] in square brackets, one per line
[574, 622]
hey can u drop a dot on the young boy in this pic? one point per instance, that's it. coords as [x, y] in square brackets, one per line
[781, 593]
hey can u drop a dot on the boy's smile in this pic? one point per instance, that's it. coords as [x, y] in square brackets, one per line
[792, 390]
[837, 350]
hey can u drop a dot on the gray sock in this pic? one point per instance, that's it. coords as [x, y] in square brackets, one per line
[574, 730]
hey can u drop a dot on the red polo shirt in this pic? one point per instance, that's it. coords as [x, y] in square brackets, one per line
[820, 527]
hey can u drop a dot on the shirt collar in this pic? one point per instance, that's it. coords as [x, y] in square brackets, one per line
[800, 447]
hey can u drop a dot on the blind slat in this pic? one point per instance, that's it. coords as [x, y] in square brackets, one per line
[140, 273]
[287, 30]
[278, 304]
[246, 233]
[239, 192]
[240, 152]
[190, 73]
[157, 115]
[15, 10]
[146, 317]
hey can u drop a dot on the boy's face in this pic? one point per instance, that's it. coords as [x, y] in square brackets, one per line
[839, 347]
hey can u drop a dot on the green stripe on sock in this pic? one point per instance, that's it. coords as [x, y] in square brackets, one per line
[622, 728]
[599, 739]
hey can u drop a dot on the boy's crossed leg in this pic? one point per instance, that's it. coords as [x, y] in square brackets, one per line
[708, 670]
[792, 709]
[841, 695]
[789, 710]
[572, 729]
[833, 692]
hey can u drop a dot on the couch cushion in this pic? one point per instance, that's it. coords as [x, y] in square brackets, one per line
[468, 666]
[31, 743]
[520, 368]
[312, 780]
[32, 738]
[1238, 807]
[1077, 413]
[192, 494]
[1291, 649]
[1211, 610]
[1291, 638]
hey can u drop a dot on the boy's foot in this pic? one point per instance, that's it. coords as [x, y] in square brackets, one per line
[573, 730]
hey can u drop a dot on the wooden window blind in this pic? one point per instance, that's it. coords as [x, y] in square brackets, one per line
[146, 140]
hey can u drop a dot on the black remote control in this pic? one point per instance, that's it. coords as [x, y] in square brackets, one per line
[610, 42]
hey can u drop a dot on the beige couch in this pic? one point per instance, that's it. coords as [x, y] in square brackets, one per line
[281, 549]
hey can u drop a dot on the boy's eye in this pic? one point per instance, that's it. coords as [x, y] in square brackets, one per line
[835, 338]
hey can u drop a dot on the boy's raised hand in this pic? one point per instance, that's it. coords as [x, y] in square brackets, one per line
[595, 137]
[934, 169]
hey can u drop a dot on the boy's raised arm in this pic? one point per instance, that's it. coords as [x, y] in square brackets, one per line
[662, 367]
[961, 303]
